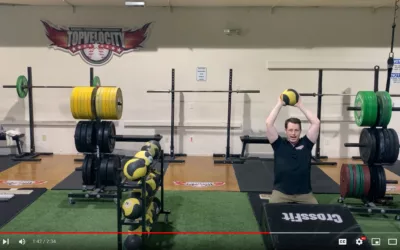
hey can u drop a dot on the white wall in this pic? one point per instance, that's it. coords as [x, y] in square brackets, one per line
[185, 39]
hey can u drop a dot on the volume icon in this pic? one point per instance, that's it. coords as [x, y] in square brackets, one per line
[22, 241]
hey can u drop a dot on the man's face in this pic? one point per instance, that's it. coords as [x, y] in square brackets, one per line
[293, 132]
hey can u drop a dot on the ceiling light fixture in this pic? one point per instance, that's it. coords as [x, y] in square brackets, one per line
[135, 3]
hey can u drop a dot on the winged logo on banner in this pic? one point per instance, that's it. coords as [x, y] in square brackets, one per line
[96, 45]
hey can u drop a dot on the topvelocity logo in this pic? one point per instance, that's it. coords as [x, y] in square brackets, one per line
[96, 46]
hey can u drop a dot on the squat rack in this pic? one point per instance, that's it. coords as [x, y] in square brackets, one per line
[228, 157]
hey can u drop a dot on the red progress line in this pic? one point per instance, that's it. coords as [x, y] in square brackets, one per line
[134, 233]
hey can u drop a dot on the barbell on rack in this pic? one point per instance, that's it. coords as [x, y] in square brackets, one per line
[315, 94]
[203, 91]
[22, 86]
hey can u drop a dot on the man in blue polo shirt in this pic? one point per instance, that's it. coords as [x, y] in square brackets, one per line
[292, 157]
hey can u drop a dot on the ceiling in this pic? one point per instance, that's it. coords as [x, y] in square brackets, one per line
[210, 3]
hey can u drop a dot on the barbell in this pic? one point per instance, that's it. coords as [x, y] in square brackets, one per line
[203, 91]
[315, 94]
[22, 86]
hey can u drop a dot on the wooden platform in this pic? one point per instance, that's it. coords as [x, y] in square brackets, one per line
[197, 173]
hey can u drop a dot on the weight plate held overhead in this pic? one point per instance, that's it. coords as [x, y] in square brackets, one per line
[22, 86]
[384, 109]
[367, 101]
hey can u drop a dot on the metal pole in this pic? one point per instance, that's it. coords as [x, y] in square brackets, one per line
[376, 78]
[31, 119]
[172, 154]
[229, 116]
[319, 107]
[91, 77]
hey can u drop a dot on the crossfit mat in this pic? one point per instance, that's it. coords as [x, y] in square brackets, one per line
[258, 176]
[11, 208]
[6, 162]
[370, 224]
[74, 180]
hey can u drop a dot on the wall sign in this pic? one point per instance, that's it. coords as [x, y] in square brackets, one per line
[96, 46]
[396, 71]
[201, 74]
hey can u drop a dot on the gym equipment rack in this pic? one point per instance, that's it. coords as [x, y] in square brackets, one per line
[370, 206]
[122, 185]
[32, 154]
[228, 157]
[96, 191]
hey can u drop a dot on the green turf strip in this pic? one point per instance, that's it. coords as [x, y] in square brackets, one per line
[190, 211]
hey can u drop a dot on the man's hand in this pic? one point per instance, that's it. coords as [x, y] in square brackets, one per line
[299, 103]
[281, 102]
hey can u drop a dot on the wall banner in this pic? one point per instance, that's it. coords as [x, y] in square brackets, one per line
[96, 46]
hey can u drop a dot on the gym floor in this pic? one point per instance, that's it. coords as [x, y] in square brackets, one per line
[227, 207]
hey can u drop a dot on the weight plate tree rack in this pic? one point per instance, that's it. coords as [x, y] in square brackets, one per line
[229, 158]
[98, 190]
[124, 184]
[99, 168]
[378, 146]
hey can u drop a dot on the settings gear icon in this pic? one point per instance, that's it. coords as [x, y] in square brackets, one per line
[359, 241]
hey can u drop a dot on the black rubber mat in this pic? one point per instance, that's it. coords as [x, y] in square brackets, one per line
[11, 208]
[74, 180]
[6, 162]
[256, 204]
[395, 168]
[257, 175]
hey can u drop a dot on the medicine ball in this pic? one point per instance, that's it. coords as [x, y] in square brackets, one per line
[157, 148]
[137, 228]
[133, 242]
[146, 156]
[157, 204]
[157, 179]
[151, 148]
[135, 168]
[151, 186]
[290, 97]
[132, 208]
